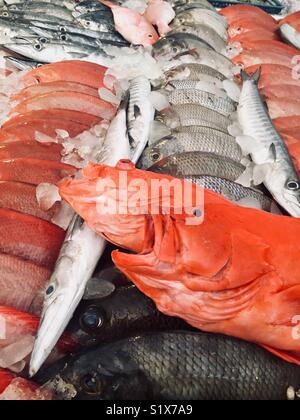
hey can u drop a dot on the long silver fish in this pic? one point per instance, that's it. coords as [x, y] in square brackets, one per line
[82, 248]
[199, 163]
[23, 64]
[267, 148]
[192, 114]
[203, 139]
[206, 17]
[49, 9]
[224, 106]
[235, 192]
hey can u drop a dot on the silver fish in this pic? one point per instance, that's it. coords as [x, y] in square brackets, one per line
[199, 163]
[290, 34]
[209, 35]
[195, 72]
[224, 106]
[234, 191]
[215, 88]
[31, 16]
[89, 21]
[173, 46]
[203, 139]
[23, 64]
[180, 5]
[49, 9]
[88, 6]
[191, 114]
[267, 147]
[206, 17]
[7, 30]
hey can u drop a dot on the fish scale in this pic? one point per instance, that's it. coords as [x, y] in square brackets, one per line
[192, 114]
[208, 100]
[195, 72]
[199, 163]
[201, 139]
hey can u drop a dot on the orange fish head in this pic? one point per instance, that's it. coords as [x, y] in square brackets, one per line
[119, 203]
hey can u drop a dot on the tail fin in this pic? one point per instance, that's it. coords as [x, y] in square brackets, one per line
[255, 77]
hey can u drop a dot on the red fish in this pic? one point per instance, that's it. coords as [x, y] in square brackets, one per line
[287, 122]
[256, 35]
[269, 45]
[83, 72]
[20, 389]
[25, 149]
[73, 101]
[30, 238]
[21, 197]
[271, 73]
[258, 57]
[231, 13]
[225, 275]
[22, 284]
[34, 171]
[281, 91]
[246, 24]
[293, 19]
[285, 107]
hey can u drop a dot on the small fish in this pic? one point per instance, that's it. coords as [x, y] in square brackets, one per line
[202, 139]
[23, 64]
[49, 9]
[235, 192]
[206, 17]
[31, 16]
[205, 33]
[195, 72]
[224, 106]
[198, 163]
[100, 24]
[123, 313]
[268, 147]
[160, 13]
[146, 368]
[132, 26]
[192, 114]
[291, 34]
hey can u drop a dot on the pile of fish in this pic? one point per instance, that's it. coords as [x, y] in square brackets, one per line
[201, 122]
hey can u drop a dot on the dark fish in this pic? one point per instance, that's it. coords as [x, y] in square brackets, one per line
[123, 313]
[176, 366]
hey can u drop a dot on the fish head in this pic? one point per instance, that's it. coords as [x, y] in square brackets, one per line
[169, 47]
[184, 18]
[147, 32]
[288, 194]
[106, 373]
[159, 150]
[27, 46]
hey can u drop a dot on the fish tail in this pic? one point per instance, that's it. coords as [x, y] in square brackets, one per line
[254, 77]
[125, 101]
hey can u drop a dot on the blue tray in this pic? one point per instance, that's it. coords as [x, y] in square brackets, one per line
[273, 7]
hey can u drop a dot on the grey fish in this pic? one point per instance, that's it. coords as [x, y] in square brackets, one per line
[15, 4]
[177, 365]
[96, 22]
[191, 114]
[209, 35]
[124, 312]
[91, 6]
[180, 5]
[9, 30]
[31, 16]
[267, 148]
[173, 46]
[224, 106]
[48, 8]
[215, 88]
[198, 163]
[203, 139]
[234, 191]
[23, 64]
[195, 72]
[206, 17]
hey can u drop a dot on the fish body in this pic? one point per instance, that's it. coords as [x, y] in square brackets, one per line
[281, 91]
[195, 72]
[269, 148]
[198, 163]
[286, 122]
[232, 13]
[192, 114]
[123, 313]
[284, 75]
[26, 149]
[60, 12]
[283, 107]
[215, 87]
[246, 24]
[258, 57]
[223, 106]
[202, 139]
[147, 367]
[160, 13]
[203, 17]
[255, 35]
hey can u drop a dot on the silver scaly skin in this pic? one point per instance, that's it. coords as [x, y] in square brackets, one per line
[268, 147]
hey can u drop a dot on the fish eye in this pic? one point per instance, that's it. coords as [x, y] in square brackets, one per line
[293, 185]
[43, 40]
[63, 30]
[50, 290]
[88, 23]
[91, 384]
[91, 319]
[150, 36]
[63, 37]
[38, 47]
[5, 14]
[197, 213]
[155, 156]
[175, 50]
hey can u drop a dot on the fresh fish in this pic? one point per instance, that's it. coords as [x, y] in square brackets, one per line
[23, 64]
[29, 16]
[215, 88]
[27, 149]
[52, 51]
[272, 72]
[9, 30]
[60, 12]
[232, 13]
[123, 313]
[88, 6]
[97, 22]
[202, 139]
[255, 35]
[207, 100]
[283, 107]
[290, 34]
[195, 72]
[268, 148]
[258, 57]
[191, 114]
[160, 13]
[205, 33]
[14, 388]
[281, 91]
[173, 45]
[235, 192]
[146, 367]
[183, 5]
[132, 26]
[83, 248]
[198, 163]
[206, 17]
[246, 24]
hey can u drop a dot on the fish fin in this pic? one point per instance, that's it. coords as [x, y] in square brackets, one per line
[256, 76]
[137, 111]
[97, 288]
[124, 101]
[272, 152]
[260, 173]
[245, 76]
[288, 356]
